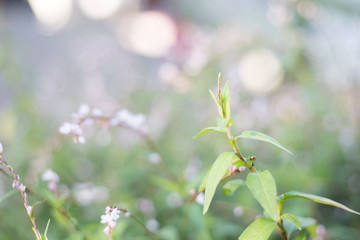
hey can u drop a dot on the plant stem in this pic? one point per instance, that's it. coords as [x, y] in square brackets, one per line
[282, 229]
[236, 149]
[146, 230]
[23, 194]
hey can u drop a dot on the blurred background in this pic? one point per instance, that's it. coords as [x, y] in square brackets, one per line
[293, 68]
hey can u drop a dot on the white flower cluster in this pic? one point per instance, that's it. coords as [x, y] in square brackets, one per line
[52, 178]
[110, 217]
[233, 168]
[1, 148]
[131, 120]
[76, 131]
[22, 188]
[84, 114]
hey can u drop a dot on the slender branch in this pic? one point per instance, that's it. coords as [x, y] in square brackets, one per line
[22, 188]
[236, 150]
[282, 229]
[146, 230]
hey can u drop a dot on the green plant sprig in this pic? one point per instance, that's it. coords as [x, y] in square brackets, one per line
[261, 184]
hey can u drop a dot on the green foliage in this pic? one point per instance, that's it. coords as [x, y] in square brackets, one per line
[262, 137]
[318, 199]
[217, 172]
[293, 219]
[301, 236]
[305, 222]
[217, 104]
[263, 188]
[260, 229]
[231, 186]
[225, 101]
[208, 129]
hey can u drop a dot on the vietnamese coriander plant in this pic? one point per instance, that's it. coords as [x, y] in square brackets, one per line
[261, 184]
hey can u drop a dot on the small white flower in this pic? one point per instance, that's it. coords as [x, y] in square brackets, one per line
[238, 211]
[22, 187]
[16, 183]
[137, 121]
[155, 158]
[96, 112]
[106, 218]
[115, 214]
[108, 210]
[1, 148]
[127, 214]
[81, 140]
[200, 198]
[77, 130]
[28, 209]
[49, 175]
[242, 168]
[65, 128]
[124, 115]
[84, 110]
[232, 168]
[107, 230]
[110, 217]
[152, 224]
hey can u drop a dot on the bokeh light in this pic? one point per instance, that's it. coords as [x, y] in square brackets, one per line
[150, 33]
[260, 71]
[52, 14]
[99, 9]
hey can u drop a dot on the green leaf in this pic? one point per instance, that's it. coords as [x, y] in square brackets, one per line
[33, 208]
[36, 235]
[202, 185]
[301, 236]
[222, 123]
[8, 194]
[262, 137]
[304, 222]
[217, 103]
[317, 199]
[292, 219]
[231, 186]
[218, 169]
[225, 101]
[208, 129]
[46, 229]
[260, 229]
[263, 188]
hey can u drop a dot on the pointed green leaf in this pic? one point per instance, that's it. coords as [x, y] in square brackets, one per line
[231, 186]
[225, 101]
[317, 199]
[301, 236]
[218, 170]
[36, 234]
[217, 103]
[263, 188]
[46, 229]
[292, 219]
[31, 215]
[262, 137]
[260, 229]
[202, 185]
[304, 223]
[208, 129]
